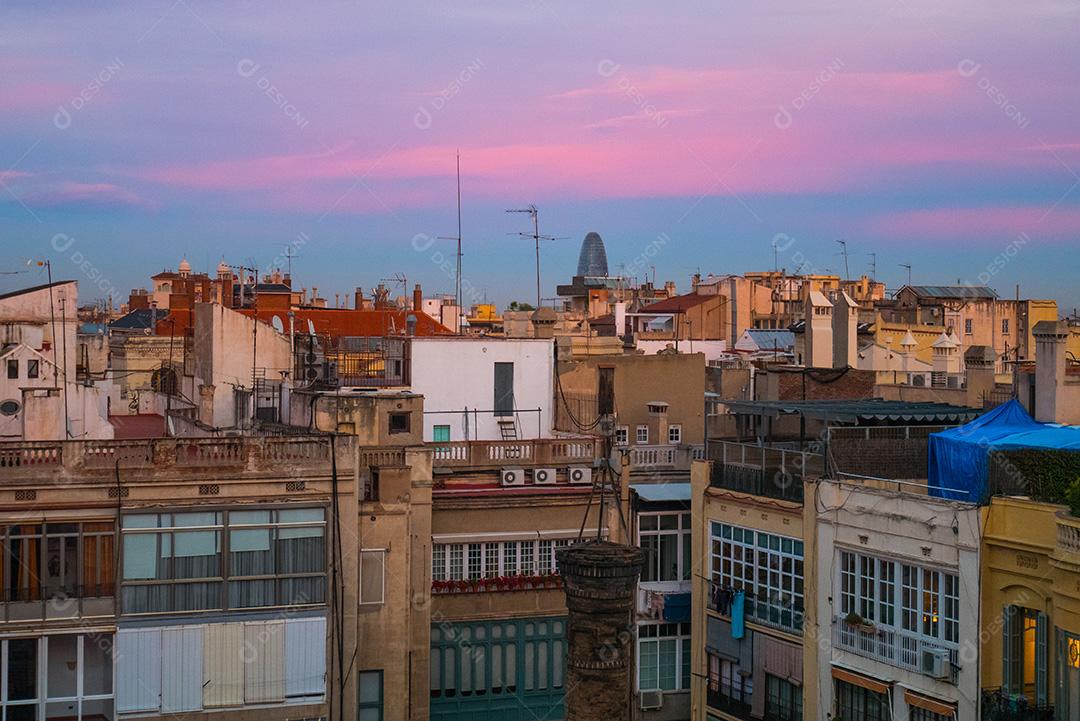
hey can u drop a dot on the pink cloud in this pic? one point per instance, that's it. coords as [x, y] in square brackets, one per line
[34, 95]
[990, 223]
[86, 195]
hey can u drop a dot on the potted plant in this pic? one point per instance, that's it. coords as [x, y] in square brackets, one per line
[859, 623]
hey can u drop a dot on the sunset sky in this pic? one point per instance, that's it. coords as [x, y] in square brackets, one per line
[689, 135]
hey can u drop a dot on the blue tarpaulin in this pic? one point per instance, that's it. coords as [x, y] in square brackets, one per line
[959, 458]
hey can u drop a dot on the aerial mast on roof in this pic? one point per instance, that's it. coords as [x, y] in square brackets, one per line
[908, 266]
[535, 235]
[457, 277]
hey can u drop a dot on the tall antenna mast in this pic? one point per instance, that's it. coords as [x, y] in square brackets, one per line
[457, 279]
[843, 251]
[908, 266]
[873, 266]
[535, 235]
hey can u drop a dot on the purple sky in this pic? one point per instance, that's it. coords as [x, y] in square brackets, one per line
[692, 136]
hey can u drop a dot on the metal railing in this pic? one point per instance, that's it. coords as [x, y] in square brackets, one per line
[763, 470]
[997, 705]
[890, 645]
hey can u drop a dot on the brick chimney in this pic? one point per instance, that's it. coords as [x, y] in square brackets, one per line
[417, 298]
[358, 298]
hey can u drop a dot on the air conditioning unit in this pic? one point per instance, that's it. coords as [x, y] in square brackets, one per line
[581, 475]
[544, 476]
[512, 476]
[651, 700]
[935, 663]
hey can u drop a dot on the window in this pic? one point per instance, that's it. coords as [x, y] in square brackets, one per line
[370, 696]
[10, 407]
[622, 435]
[32, 368]
[728, 683]
[176, 561]
[767, 567]
[929, 602]
[916, 713]
[57, 561]
[400, 422]
[664, 657]
[967, 326]
[856, 702]
[665, 538]
[674, 434]
[441, 434]
[492, 559]
[605, 392]
[504, 389]
[77, 673]
[1025, 657]
[372, 576]
[642, 434]
[1005, 326]
[13, 368]
[783, 700]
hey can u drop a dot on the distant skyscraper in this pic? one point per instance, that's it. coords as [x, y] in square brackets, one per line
[593, 258]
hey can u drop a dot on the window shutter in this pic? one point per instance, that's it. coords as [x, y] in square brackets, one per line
[264, 667]
[223, 665]
[305, 658]
[138, 670]
[1042, 658]
[181, 669]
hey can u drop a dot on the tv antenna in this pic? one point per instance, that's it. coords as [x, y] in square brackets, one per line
[535, 235]
[873, 266]
[457, 275]
[398, 279]
[908, 266]
[843, 252]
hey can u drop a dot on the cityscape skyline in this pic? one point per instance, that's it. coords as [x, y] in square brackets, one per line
[183, 129]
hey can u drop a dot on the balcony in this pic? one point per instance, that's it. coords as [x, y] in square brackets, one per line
[1000, 706]
[763, 471]
[733, 706]
[1068, 536]
[45, 462]
[498, 454]
[890, 646]
[774, 612]
[676, 457]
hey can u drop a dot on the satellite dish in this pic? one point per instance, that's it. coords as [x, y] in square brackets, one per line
[278, 325]
[310, 327]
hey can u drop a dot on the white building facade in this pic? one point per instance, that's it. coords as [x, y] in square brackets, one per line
[484, 389]
[897, 603]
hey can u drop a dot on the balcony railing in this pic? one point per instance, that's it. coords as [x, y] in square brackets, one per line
[1068, 534]
[1000, 706]
[39, 459]
[665, 456]
[497, 454]
[734, 704]
[890, 645]
[763, 471]
[773, 612]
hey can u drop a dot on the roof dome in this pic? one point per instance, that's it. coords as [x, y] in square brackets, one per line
[223, 268]
[593, 258]
[185, 267]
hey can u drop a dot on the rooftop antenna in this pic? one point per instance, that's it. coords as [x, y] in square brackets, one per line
[873, 266]
[908, 266]
[398, 278]
[843, 251]
[457, 279]
[289, 257]
[775, 255]
[535, 235]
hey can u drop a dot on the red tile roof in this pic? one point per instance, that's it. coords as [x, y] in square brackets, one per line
[678, 304]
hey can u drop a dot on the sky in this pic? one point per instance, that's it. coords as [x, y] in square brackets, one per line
[708, 137]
